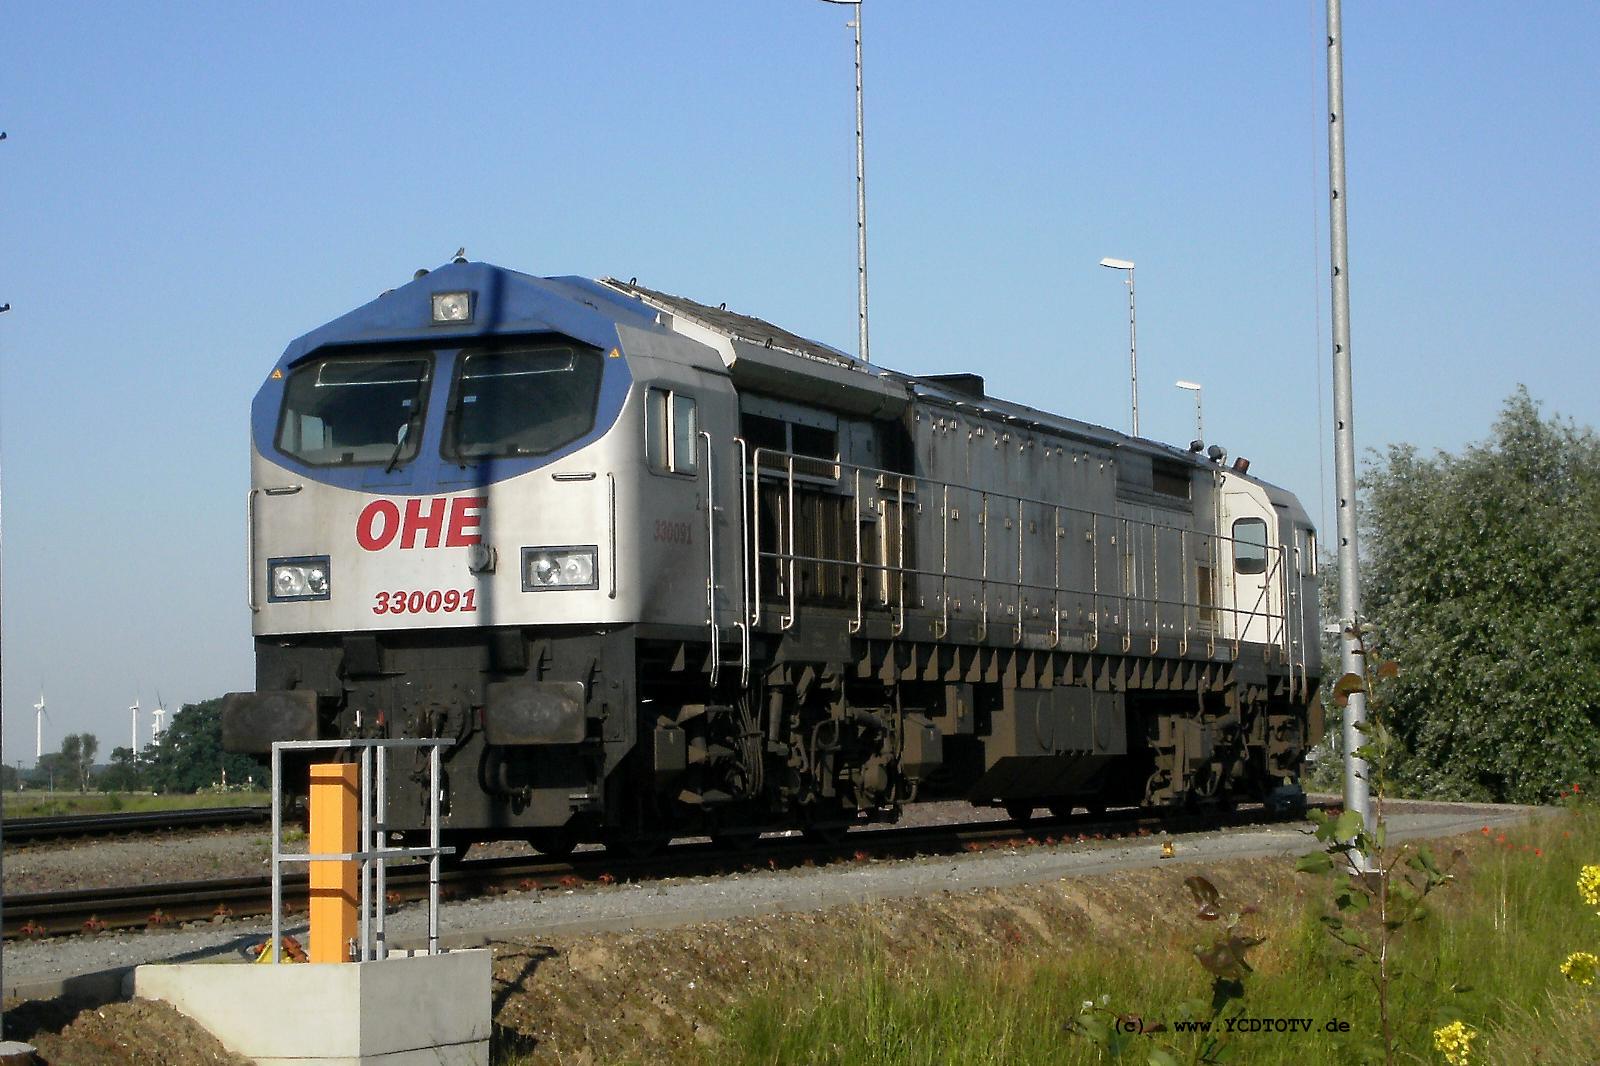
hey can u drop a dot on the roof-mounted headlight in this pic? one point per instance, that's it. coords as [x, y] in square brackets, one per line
[450, 308]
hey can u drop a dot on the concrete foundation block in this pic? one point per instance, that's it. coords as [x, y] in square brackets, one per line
[403, 1011]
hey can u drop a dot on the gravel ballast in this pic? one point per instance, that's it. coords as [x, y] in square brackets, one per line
[38, 967]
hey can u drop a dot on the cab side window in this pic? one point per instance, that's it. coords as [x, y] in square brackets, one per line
[1250, 546]
[671, 431]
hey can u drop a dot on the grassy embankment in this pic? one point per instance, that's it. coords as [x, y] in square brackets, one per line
[1489, 955]
[44, 804]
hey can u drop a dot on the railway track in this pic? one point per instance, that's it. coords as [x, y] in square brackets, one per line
[75, 826]
[153, 906]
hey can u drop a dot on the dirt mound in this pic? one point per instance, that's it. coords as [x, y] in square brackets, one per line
[652, 996]
[139, 1033]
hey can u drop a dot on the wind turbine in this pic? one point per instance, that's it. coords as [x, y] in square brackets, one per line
[38, 729]
[158, 720]
[134, 711]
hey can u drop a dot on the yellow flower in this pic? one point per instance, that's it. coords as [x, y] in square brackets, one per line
[1589, 885]
[1581, 968]
[1454, 1042]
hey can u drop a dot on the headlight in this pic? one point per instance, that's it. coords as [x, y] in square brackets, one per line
[452, 307]
[297, 579]
[559, 568]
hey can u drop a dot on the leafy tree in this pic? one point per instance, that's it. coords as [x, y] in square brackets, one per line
[50, 770]
[77, 756]
[123, 775]
[10, 778]
[190, 756]
[1481, 580]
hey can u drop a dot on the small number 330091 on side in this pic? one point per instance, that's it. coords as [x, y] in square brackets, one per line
[673, 532]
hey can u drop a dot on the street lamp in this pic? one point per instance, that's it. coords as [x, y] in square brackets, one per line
[1199, 423]
[1133, 338]
[861, 193]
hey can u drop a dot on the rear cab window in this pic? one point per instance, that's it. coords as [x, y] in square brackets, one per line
[671, 431]
[1250, 546]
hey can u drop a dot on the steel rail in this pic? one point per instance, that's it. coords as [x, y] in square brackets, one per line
[70, 826]
[150, 906]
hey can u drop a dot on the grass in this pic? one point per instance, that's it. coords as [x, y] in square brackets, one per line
[1489, 955]
[44, 804]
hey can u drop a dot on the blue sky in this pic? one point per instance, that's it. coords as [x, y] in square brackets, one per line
[188, 187]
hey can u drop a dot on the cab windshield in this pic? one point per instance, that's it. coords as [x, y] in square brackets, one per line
[521, 401]
[348, 410]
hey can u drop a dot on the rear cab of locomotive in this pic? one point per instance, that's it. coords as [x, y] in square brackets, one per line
[460, 511]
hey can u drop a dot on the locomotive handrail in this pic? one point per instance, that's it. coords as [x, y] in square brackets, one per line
[744, 568]
[611, 517]
[860, 618]
[711, 562]
[1133, 600]
[250, 548]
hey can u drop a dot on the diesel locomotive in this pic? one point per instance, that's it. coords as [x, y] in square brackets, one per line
[656, 568]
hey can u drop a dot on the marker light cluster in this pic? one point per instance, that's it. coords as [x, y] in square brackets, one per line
[298, 579]
[559, 568]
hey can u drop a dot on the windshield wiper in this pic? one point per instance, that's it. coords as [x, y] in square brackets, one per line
[400, 444]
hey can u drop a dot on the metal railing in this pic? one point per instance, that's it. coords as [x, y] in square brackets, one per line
[373, 854]
[1132, 605]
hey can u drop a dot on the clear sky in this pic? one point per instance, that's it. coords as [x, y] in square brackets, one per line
[187, 187]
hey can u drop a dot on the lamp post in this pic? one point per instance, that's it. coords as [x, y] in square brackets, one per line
[1133, 338]
[1199, 423]
[861, 193]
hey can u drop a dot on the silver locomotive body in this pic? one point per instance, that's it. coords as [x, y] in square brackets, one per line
[656, 568]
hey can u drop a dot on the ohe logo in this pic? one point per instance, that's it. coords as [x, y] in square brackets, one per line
[380, 523]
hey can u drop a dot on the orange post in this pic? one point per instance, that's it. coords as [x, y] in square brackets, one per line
[335, 810]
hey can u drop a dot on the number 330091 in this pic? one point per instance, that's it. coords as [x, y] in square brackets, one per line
[431, 602]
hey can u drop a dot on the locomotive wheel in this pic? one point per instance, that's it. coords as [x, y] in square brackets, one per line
[825, 834]
[640, 846]
[557, 843]
[1020, 811]
[736, 839]
[452, 840]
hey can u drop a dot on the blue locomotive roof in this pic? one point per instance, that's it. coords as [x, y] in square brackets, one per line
[504, 302]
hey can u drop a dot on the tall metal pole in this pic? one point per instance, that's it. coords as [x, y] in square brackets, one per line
[1199, 418]
[11, 1051]
[1357, 795]
[861, 200]
[861, 192]
[1133, 354]
[1133, 338]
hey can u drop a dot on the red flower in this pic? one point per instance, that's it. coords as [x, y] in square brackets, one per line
[1485, 830]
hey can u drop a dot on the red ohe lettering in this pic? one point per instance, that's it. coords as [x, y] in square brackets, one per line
[416, 522]
[466, 512]
[379, 514]
[458, 521]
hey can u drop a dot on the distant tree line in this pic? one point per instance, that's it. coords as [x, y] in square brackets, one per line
[187, 758]
[1480, 579]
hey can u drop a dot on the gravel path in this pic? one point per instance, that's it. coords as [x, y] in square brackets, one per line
[33, 966]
